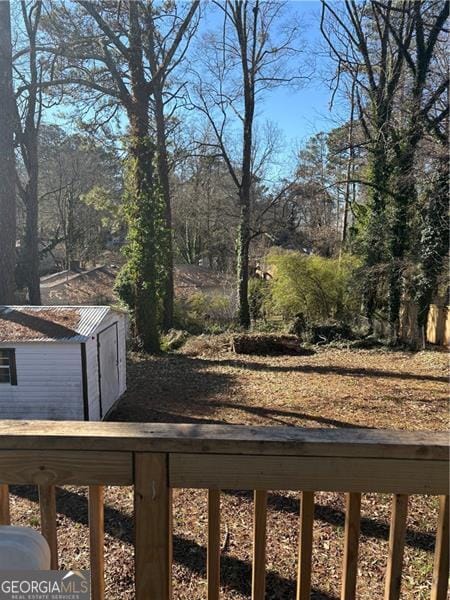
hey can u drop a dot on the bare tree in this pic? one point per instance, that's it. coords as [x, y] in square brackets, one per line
[7, 163]
[243, 61]
[204, 212]
[28, 118]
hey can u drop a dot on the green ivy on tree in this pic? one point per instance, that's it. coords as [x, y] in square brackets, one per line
[140, 281]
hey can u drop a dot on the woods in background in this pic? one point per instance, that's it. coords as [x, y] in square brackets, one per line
[136, 124]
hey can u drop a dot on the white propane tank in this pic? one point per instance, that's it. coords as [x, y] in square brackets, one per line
[23, 548]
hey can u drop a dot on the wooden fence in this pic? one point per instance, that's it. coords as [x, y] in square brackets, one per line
[154, 458]
[438, 324]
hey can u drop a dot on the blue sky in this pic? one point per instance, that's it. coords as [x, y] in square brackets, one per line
[298, 113]
[304, 112]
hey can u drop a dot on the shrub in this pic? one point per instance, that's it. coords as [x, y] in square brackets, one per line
[319, 288]
[204, 313]
[124, 287]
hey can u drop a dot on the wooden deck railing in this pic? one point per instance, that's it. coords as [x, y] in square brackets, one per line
[154, 458]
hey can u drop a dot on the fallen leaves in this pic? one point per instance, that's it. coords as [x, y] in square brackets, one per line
[334, 388]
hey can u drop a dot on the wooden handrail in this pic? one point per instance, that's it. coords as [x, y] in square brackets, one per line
[155, 458]
[223, 439]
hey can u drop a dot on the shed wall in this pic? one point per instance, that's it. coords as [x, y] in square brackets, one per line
[92, 379]
[49, 382]
[123, 334]
[110, 319]
[92, 365]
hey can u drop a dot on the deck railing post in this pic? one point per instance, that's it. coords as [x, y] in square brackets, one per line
[96, 541]
[153, 526]
[213, 554]
[351, 536]
[47, 505]
[5, 518]
[396, 547]
[259, 545]
[441, 553]
[305, 546]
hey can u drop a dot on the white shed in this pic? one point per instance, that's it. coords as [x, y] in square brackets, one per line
[61, 362]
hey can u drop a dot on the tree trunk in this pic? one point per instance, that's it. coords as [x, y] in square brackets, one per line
[376, 231]
[163, 174]
[243, 244]
[350, 168]
[69, 237]
[404, 194]
[398, 247]
[30, 154]
[142, 236]
[31, 253]
[434, 242]
[143, 209]
[31, 250]
[7, 164]
[159, 73]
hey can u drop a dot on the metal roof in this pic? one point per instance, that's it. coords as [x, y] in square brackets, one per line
[50, 323]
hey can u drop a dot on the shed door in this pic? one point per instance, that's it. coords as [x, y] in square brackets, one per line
[108, 367]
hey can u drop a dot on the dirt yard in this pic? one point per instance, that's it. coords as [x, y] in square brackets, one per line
[207, 384]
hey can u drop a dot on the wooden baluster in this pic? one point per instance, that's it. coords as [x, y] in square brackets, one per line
[5, 517]
[213, 558]
[441, 553]
[305, 546]
[153, 529]
[97, 541]
[396, 547]
[259, 545]
[47, 505]
[350, 564]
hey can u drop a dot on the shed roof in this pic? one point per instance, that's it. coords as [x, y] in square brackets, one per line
[50, 323]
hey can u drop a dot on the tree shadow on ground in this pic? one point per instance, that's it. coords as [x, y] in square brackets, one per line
[372, 528]
[326, 370]
[119, 525]
[274, 414]
[184, 389]
[235, 573]
[180, 389]
[171, 389]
